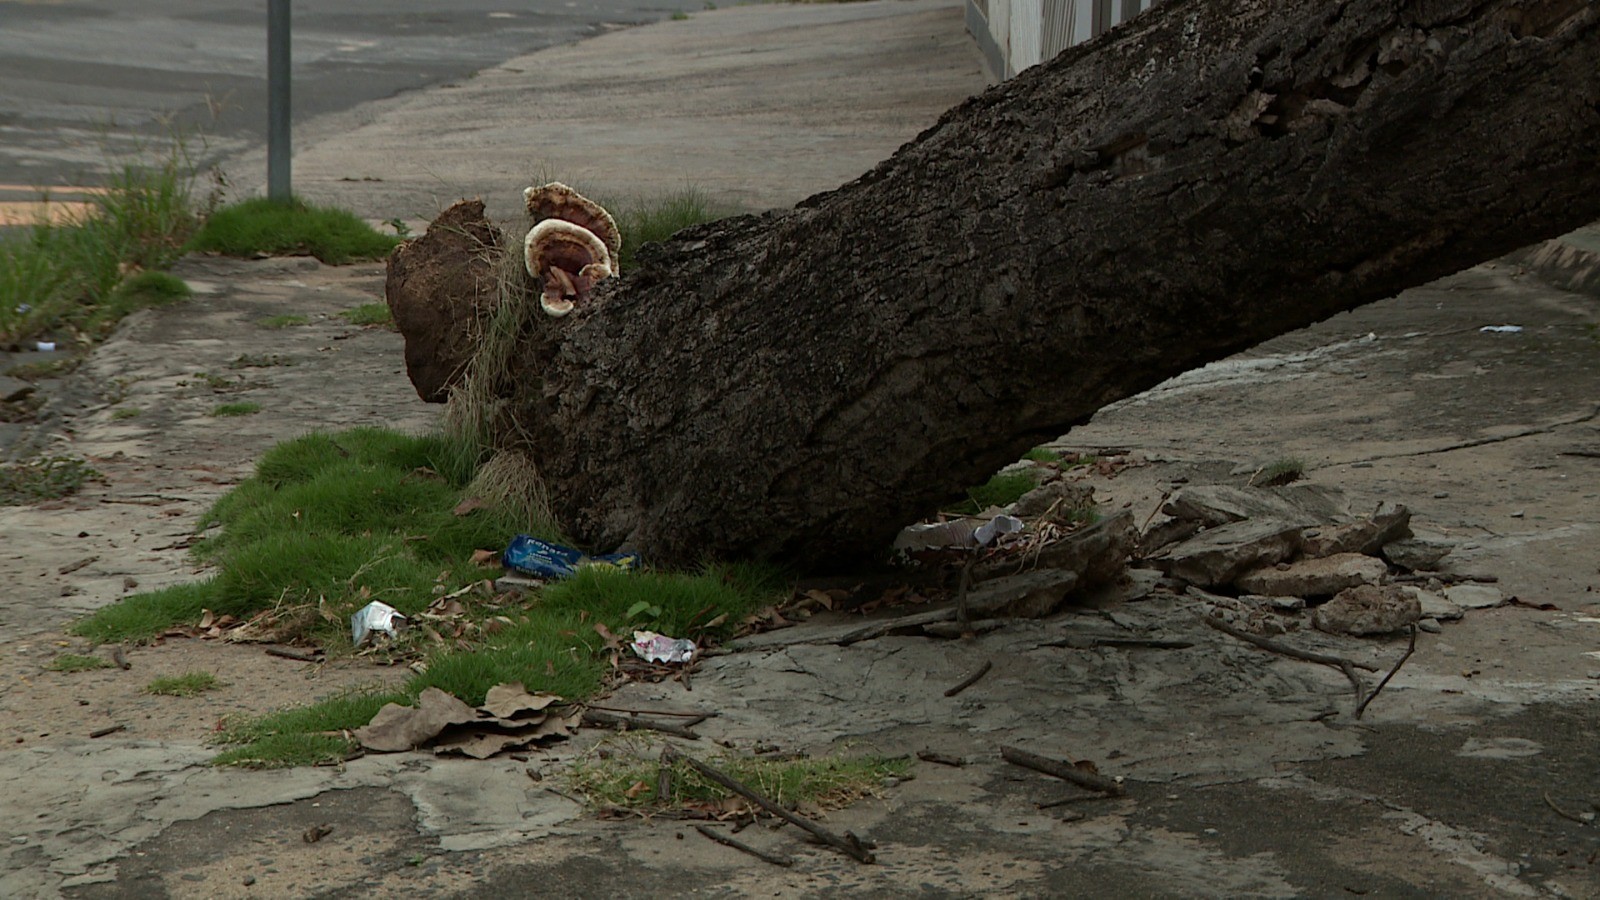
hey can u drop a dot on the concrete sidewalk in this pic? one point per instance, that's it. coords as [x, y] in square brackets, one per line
[753, 106]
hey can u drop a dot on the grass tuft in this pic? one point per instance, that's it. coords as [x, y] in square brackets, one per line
[1042, 455]
[49, 478]
[74, 662]
[126, 412]
[629, 779]
[189, 684]
[295, 228]
[245, 408]
[656, 219]
[281, 751]
[277, 322]
[368, 314]
[1001, 490]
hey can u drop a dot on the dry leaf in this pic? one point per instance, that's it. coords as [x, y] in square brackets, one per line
[469, 506]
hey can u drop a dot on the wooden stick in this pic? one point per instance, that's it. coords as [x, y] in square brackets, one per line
[664, 781]
[654, 712]
[737, 844]
[1061, 769]
[296, 655]
[970, 680]
[109, 729]
[608, 720]
[1563, 813]
[1362, 706]
[1338, 662]
[849, 844]
[941, 758]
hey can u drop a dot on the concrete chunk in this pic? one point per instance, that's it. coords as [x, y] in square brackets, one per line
[1314, 577]
[1218, 555]
[1367, 609]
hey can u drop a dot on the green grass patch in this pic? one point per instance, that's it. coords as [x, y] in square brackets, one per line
[1001, 490]
[46, 478]
[245, 408]
[368, 314]
[259, 361]
[189, 684]
[293, 228]
[45, 368]
[629, 779]
[68, 275]
[277, 322]
[1042, 455]
[281, 751]
[126, 412]
[657, 219]
[329, 522]
[145, 290]
[77, 662]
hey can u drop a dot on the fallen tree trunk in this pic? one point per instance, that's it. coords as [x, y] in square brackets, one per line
[799, 385]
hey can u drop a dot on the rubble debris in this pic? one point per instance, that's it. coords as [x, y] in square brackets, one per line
[1059, 498]
[1219, 504]
[1414, 554]
[1218, 555]
[1319, 577]
[653, 647]
[1436, 607]
[1391, 522]
[1474, 596]
[1097, 554]
[1368, 609]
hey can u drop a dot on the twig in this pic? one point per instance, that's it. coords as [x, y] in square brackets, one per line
[963, 586]
[737, 844]
[849, 844]
[1063, 770]
[664, 781]
[623, 723]
[296, 655]
[1348, 667]
[120, 657]
[1563, 813]
[655, 712]
[970, 680]
[1412, 648]
[69, 568]
[1338, 662]
[941, 758]
[109, 729]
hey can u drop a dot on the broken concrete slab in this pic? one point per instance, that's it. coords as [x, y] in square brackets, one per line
[1416, 553]
[1474, 596]
[1059, 498]
[1390, 522]
[1368, 609]
[1321, 577]
[1220, 504]
[1219, 555]
[1435, 606]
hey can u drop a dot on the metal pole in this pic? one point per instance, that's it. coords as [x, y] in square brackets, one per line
[278, 101]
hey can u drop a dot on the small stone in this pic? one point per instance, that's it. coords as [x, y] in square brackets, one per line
[1367, 609]
[1519, 514]
[1280, 604]
[1441, 495]
[1474, 596]
[1431, 626]
[249, 880]
[1314, 577]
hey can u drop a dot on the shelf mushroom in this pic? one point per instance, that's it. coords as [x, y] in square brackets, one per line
[574, 245]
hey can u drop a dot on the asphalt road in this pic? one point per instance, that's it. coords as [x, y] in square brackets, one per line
[85, 82]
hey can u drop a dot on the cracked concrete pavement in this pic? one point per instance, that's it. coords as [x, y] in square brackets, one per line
[1246, 775]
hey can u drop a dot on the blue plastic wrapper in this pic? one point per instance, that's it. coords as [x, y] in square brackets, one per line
[542, 559]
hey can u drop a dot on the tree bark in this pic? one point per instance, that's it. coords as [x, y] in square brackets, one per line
[799, 385]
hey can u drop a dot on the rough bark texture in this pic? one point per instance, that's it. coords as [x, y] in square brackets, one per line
[799, 385]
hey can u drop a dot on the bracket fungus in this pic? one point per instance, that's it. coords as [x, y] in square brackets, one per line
[574, 244]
